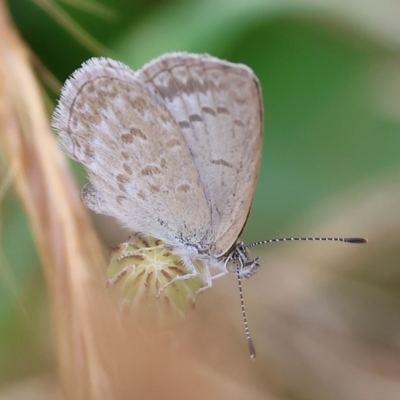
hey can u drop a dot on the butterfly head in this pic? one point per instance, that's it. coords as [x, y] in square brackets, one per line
[239, 261]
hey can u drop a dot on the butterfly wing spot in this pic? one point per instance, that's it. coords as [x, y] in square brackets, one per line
[127, 138]
[137, 133]
[222, 162]
[216, 79]
[156, 189]
[125, 155]
[141, 195]
[73, 123]
[195, 118]
[223, 110]
[239, 123]
[187, 83]
[173, 143]
[120, 200]
[165, 121]
[184, 124]
[183, 188]
[208, 110]
[89, 152]
[166, 86]
[127, 169]
[163, 163]
[172, 87]
[123, 178]
[150, 170]
[90, 88]
[139, 105]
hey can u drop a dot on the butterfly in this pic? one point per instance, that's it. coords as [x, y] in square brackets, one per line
[172, 151]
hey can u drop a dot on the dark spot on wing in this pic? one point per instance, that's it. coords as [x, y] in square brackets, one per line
[150, 170]
[173, 143]
[208, 110]
[125, 155]
[184, 124]
[123, 178]
[137, 132]
[183, 188]
[239, 123]
[127, 138]
[141, 195]
[222, 162]
[195, 118]
[120, 199]
[223, 110]
[127, 168]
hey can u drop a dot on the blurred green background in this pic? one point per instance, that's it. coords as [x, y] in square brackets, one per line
[330, 74]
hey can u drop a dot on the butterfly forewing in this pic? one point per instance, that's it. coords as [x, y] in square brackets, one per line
[218, 107]
[140, 168]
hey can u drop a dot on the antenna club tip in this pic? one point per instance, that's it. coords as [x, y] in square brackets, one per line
[252, 349]
[356, 240]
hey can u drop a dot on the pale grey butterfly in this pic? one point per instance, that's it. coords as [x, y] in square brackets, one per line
[172, 151]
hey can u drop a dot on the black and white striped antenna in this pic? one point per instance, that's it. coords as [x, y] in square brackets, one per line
[239, 262]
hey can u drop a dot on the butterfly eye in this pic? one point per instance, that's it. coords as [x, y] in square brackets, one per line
[232, 264]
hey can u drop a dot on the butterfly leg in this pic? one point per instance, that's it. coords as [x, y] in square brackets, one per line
[220, 275]
[193, 273]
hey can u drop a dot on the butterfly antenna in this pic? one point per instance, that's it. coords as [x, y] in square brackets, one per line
[316, 239]
[254, 265]
[250, 343]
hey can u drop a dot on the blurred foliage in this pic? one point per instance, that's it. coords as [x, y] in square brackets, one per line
[330, 73]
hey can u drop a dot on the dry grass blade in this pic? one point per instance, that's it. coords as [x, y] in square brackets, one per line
[6, 182]
[69, 249]
[92, 7]
[71, 26]
[45, 75]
